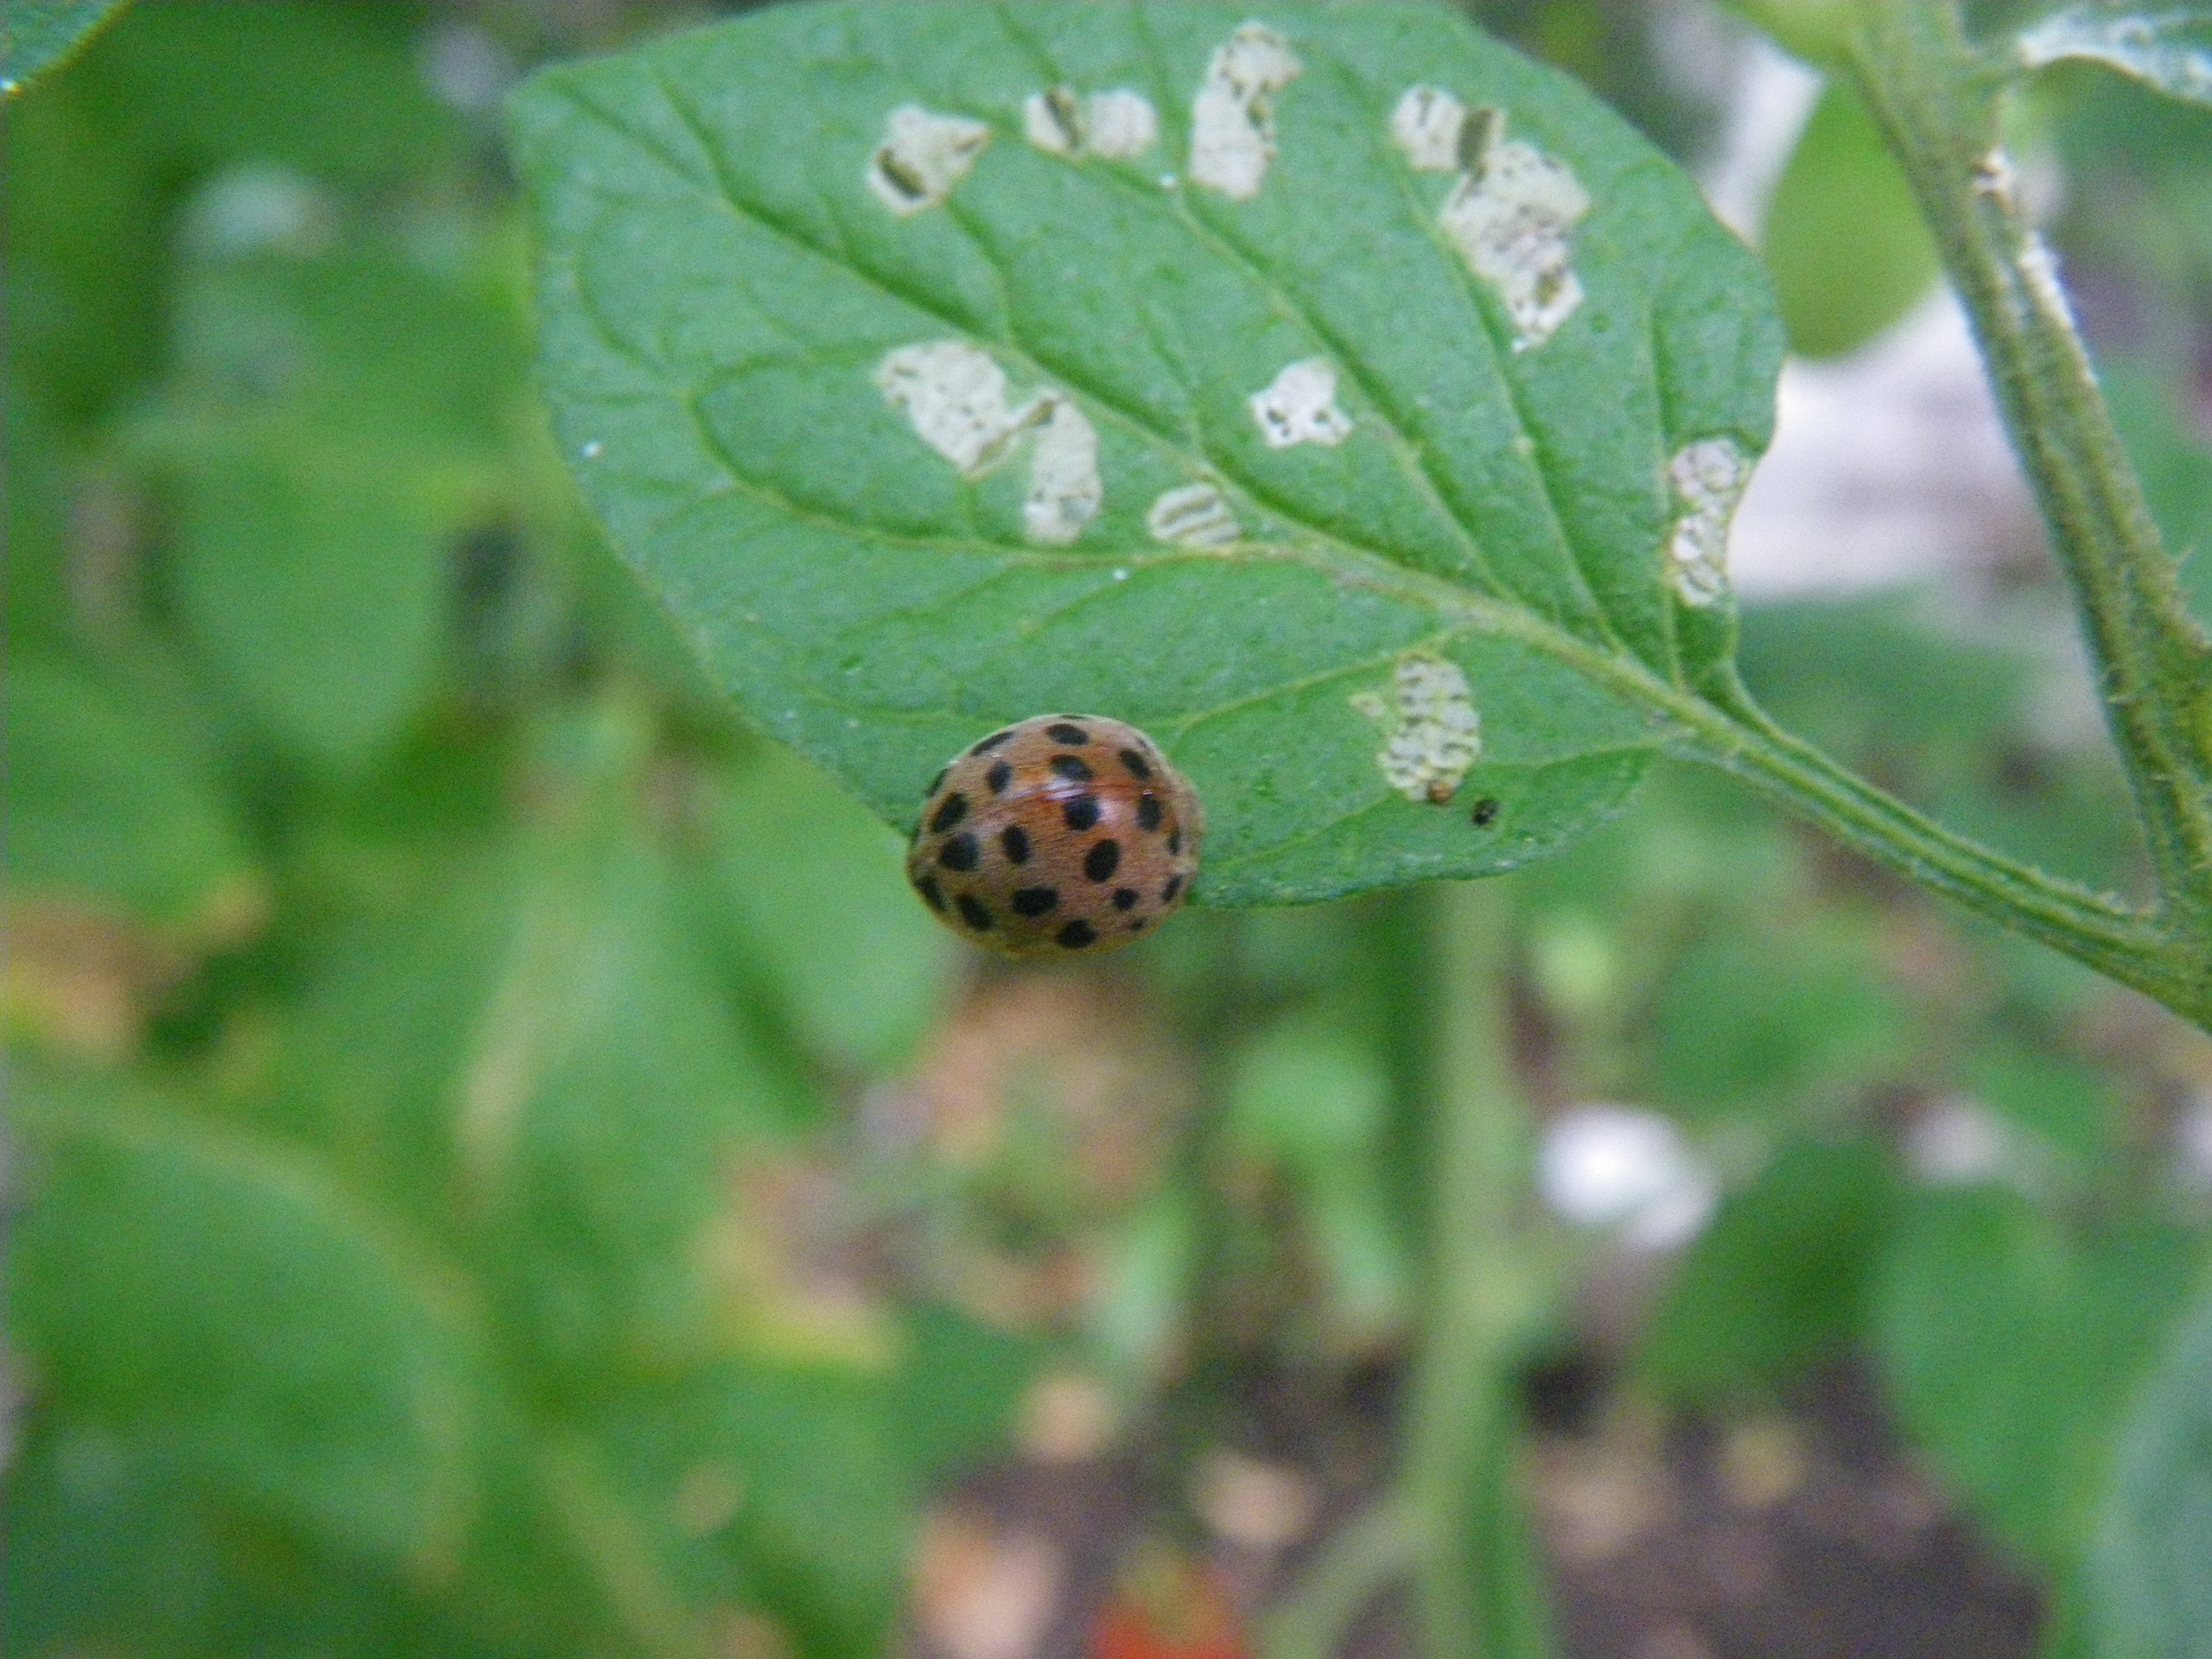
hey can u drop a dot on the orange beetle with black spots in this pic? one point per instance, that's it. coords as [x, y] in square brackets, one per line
[1064, 833]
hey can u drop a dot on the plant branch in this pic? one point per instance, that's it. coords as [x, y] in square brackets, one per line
[1937, 104]
[1459, 1480]
[2126, 944]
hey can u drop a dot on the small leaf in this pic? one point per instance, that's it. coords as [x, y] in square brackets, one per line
[39, 35]
[2013, 1350]
[1844, 237]
[2150, 1594]
[112, 800]
[237, 1311]
[818, 898]
[334, 430]
[1779, 1280]
[2169, 50]
[1375, 363]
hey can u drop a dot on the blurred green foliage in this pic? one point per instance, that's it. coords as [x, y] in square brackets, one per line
[508, 1170]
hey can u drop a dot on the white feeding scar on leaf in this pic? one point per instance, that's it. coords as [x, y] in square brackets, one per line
[962, 405]
[1511, 215]
[1426, 125]
[1300, 407]
[956, 397]
[1709, 478]
[1193, 515]
[1065, 489]
[1113, 125]
[922, 157]
[1433, 733]
[1233, 121]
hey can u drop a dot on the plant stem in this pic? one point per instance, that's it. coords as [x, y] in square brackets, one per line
[2137, 950]
[1460, 1475]
[1937, 104]
[1453, 1520]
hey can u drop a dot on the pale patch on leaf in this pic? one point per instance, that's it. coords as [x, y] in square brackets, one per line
[1434, 733]
[1426, 125]
[957, 395]
[1114, 126]
[961, 405]
[1510, 216]
[1232, 122]
[1193, 515]
[1065, 488]
[922, 157]
[1709, 478]
[1299, 407]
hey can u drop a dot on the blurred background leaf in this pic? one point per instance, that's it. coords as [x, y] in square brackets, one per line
[38, 35]
[1842, 235]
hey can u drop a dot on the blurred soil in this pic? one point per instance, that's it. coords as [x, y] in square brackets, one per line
[1804, 1533]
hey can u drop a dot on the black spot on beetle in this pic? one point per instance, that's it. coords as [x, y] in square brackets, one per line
[1061, 731]
[1124, 897]
[999, 777]
[992, 742]
[972, 912]
[1167, 893]
[1034, 901]
[1102, 860]
[1016, 841]
[1077, 935]
[1081, 813]
[927, 887]
[1073, 767]
[1485, 812]
[954, 809]
[1134, 760]
[1175, 839]
[1148, 813]
[961, 852]
[1138, 926]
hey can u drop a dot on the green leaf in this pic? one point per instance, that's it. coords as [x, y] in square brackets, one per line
[2170, 51]
[1758, 1018]
[116, 1548]
[2175, 461]
[546, 1035]
[2068, 1106]
[2151, 1597]
[335, 427]
[235, 1311]
[1843, 239]
[1316, 1103]
[1779, 1281]
[113, 800]
[2013, 1350]
[38, 35]
[958, 1386]
[816, 891]
[819, 1498]
[724, 297]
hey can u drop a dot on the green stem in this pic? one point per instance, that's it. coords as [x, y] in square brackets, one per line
[1937, 104]
[1459, 1484]
[2137, 950]
[1453, 1521]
